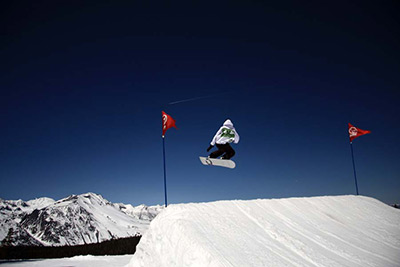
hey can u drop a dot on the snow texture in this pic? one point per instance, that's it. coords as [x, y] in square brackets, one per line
[318, 231]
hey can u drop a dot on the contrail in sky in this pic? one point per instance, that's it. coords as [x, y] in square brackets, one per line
[193, 99]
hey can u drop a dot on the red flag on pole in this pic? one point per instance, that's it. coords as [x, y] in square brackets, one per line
[355, 132]
[167, 122]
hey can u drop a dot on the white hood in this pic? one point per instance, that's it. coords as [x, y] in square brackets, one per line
[228, 123]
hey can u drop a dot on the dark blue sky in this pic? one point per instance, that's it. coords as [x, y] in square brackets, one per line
[83, 86]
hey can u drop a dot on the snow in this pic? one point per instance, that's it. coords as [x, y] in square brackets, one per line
[81, 261]
[318, 231]
[77, 219]
[142, 212]
[40, 203]
[85, 213]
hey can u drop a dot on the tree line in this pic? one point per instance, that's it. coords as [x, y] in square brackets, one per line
[118, 246]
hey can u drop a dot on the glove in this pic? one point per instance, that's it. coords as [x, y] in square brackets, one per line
[209, 148]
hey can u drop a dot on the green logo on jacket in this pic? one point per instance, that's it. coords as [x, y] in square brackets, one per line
[228, 133]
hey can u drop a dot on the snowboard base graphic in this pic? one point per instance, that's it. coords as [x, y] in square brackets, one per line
[227, 163]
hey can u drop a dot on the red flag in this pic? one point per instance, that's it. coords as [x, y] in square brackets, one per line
[167, 122]
[355, 132]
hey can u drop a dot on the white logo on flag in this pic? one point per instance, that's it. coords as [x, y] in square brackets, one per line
[353, 131]
[165, 118]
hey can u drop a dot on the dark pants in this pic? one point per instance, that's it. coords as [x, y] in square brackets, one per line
[225, 149]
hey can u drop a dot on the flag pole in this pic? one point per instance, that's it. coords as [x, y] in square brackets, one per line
[165, 173]
[167, 122]
[354, 167]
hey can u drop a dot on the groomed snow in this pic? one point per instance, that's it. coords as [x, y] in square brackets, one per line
[318, 231]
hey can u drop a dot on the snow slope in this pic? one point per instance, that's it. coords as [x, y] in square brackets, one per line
[318, 231]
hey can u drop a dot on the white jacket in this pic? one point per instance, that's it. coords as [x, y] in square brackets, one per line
[226, 134]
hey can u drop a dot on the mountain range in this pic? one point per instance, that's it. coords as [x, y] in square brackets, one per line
[75, 220]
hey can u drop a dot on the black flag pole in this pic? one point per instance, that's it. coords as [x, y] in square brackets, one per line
[355, 132]
[165, 173]
[354, 167]
[167, 122]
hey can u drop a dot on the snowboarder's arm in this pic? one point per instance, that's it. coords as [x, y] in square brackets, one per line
[237, 138]
[215, 137]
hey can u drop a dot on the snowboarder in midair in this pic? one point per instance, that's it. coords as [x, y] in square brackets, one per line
[224, 136]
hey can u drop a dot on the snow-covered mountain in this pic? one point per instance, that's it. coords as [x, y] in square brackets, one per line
[319, 231]
[77, 219]
[11, 213]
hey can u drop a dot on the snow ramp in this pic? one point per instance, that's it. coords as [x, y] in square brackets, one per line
[317, 231]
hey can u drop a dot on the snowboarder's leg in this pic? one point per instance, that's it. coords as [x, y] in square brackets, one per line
[221, 150]
[226, 150]
[229, 152]
[216, 154]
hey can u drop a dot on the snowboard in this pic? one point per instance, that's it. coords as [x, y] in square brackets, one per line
[227, 163]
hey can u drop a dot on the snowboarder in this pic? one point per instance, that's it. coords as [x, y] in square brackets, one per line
[222, 139]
